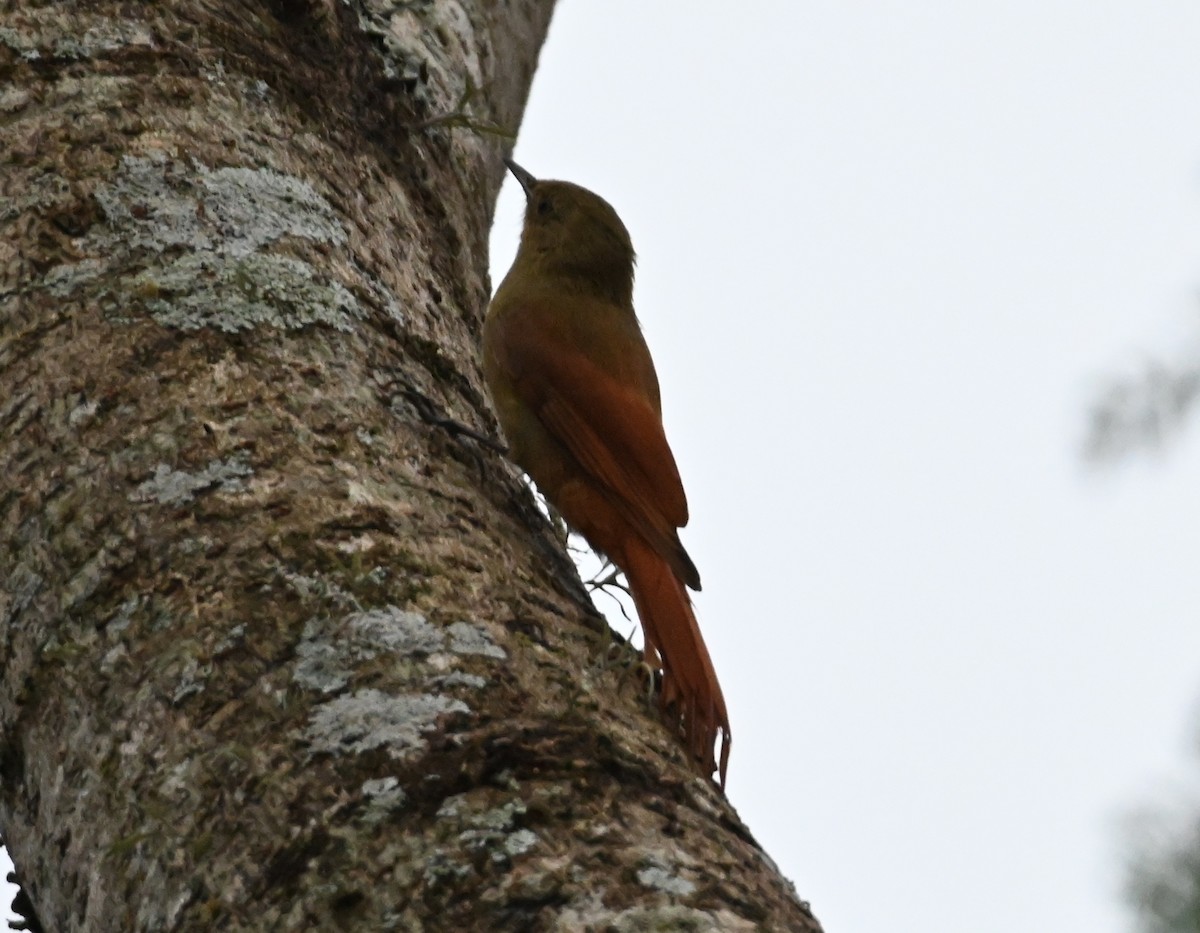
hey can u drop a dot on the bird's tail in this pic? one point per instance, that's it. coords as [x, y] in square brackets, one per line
[689, 686]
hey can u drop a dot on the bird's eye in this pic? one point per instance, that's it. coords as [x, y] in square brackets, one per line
[544, 207]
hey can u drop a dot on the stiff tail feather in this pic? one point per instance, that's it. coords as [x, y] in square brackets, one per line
[689, 684]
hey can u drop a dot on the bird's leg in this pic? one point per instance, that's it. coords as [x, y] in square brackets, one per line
[650, 672]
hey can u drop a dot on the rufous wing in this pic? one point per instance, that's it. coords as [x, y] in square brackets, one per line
[611, 428]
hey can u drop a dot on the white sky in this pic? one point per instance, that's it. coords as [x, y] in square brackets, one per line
[888, 252]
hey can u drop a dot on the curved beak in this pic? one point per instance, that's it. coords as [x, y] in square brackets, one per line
[526, 180]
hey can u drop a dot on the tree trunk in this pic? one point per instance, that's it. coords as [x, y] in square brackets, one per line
[281, 649]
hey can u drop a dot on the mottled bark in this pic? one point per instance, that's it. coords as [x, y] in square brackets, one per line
[279, 650]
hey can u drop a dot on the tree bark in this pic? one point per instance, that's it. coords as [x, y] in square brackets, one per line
[281, 649]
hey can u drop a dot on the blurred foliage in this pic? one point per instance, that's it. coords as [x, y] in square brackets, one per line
[1144, 410]
[1162, 874]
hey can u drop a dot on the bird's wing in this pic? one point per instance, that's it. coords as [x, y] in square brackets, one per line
[611, 428]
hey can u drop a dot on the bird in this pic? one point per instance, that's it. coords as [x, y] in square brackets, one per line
[577, 397]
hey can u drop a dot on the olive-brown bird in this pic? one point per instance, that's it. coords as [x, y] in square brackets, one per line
[577, 396]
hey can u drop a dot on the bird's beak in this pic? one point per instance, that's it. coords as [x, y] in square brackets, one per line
[526, 180]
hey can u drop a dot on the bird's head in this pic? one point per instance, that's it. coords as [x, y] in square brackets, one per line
[575, 235]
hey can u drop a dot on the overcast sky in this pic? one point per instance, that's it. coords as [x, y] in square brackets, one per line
[888, 253]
